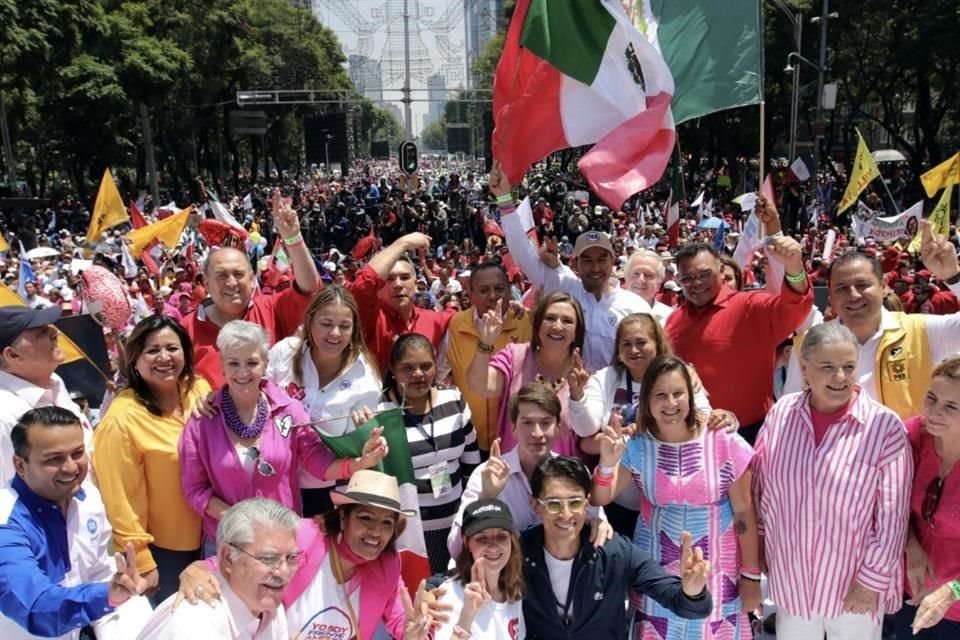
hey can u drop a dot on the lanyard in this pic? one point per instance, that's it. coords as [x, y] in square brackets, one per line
[338, 572]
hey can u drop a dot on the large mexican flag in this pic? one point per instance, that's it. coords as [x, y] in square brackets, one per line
[415, 566]
[578, 72]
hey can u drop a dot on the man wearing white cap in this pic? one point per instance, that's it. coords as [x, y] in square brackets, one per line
[604, 302]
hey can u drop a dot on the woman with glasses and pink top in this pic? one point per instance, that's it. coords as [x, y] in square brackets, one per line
[256, 439]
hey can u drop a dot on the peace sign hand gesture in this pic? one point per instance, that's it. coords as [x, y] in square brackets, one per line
[694, 570]
[127, 581]
[475, 595]
[418, 618]
[937, 253]
[612, 443]
[284, 217]
[491, 324]
[578, 376]
[374, 450]
[494, 474]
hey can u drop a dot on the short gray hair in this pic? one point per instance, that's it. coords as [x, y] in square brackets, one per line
[240, 522]
[240, 333]
[827, 333]
[643, 252]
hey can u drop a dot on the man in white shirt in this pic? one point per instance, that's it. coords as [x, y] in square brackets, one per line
[29, 355]
[645, 273]
[535, 412]
[257, 556]
[604, 303]
[897, 351]
[444, 285]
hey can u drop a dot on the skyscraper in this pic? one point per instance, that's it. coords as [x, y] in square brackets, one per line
[481, 19]
[437, 93]
[366, 76]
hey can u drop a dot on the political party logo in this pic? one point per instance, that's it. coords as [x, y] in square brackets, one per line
[92, 526]
[331, 623]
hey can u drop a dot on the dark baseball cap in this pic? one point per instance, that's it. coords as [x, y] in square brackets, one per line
[15, 319]
[486, 514]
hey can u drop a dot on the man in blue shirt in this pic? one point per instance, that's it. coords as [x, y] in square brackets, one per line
[55, 570]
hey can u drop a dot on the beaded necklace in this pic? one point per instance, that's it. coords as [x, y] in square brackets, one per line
[232, 419]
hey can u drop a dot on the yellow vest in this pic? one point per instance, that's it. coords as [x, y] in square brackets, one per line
[462, 339]
[903, 365]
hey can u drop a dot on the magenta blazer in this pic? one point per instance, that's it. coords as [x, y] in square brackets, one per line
[210, 466]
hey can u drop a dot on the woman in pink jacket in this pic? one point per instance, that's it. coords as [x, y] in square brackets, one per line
[348, 580]
[252, 445]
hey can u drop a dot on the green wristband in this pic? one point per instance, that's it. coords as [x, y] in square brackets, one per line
[506, 198]
[955, 587]
[797, 279]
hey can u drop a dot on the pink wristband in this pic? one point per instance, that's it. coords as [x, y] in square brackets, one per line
[345, 469]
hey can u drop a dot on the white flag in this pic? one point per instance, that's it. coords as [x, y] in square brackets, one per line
[799, 168]
[221, 213]
[699, 200]
[749, 241]
[247, 202]
[129, 264]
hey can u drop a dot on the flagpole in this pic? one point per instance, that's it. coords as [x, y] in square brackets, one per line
[892, 201]
[762, 162]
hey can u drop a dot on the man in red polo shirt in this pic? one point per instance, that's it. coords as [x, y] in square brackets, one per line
[384, 291]
[230, 281]
[731, 336]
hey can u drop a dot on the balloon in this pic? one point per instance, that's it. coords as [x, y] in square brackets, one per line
[263, 242]
[255, 238]
[248, 245]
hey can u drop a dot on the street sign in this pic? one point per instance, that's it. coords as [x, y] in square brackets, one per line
[244, 122]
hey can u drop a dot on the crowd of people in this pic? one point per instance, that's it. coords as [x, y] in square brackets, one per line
[615, 429]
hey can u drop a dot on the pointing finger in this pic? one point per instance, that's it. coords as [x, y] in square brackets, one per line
[495, 449]
[686, 540]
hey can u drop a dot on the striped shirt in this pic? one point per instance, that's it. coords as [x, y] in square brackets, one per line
[833, 513]
[444, 435]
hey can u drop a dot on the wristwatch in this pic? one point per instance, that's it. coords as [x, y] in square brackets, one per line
[954, 279]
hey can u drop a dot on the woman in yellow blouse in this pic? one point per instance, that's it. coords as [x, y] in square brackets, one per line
[136, 458]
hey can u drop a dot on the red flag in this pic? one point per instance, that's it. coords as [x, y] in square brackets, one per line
[136, 218]
[491, 228]
[138, 221]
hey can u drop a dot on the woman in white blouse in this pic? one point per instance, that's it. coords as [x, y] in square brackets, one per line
[330, 372]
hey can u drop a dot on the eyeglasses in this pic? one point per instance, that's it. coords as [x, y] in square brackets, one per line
[555, 505]
[931, 499]
[273, 561]
[703, 276]
[264, 468]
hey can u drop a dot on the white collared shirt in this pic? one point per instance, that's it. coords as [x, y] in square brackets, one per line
[17, 396]
[943, 341]
[230, 619]
[516, 495]
[600, 316]
[356, 388]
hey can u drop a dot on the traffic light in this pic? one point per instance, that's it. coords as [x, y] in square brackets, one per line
[409, 160]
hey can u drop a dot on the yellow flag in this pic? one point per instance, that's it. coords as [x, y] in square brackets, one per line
[864, 170]
[939, 221]
[166, 231]
[4, 246]
[945, 174]
[71, 352]
[108, 211]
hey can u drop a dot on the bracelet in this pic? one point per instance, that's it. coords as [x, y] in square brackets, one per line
[507, 208]
[483, 347]
[295, 240]
[458, 632]
[954, 279]
[605, 471]
[601, 480]
[746, 576]
[955, 587]
[505, 198]
[345, 468]
[797, 279]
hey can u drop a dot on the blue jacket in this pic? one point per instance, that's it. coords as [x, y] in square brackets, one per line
[36, 540]
[600, 582]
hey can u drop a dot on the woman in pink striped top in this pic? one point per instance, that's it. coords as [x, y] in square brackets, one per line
[832, 476]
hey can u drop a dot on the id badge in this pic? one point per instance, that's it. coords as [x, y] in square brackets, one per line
[439, 479]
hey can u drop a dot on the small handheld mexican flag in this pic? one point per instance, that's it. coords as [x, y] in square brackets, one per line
[415, 566]
[578, 73]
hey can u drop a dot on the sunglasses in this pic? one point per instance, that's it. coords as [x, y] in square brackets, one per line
[554, 506]
[264, 468]
[931, 499]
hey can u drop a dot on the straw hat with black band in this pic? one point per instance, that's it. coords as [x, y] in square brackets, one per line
[373, 489]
